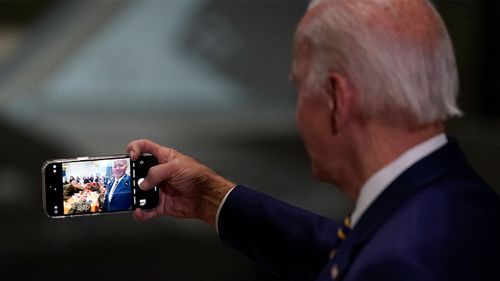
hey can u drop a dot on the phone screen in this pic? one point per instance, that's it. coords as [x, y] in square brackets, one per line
[97, 185]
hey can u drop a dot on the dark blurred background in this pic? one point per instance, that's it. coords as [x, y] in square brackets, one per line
[209, 78]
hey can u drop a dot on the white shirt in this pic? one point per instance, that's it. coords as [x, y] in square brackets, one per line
[379, 181]
[220, 208]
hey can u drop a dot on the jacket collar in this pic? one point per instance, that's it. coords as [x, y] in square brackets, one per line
[403, 187]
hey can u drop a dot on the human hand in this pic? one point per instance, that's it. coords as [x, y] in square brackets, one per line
[188, 189]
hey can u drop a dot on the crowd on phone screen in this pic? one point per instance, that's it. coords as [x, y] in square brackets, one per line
[85, 191]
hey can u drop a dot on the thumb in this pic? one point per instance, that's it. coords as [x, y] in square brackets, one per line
[145, 184]
[157, 174]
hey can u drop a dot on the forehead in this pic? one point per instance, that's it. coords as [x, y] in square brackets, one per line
[120, 162]
[303, 46]
[301, 53]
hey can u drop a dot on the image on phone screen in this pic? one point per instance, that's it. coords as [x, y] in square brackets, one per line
[96, 186]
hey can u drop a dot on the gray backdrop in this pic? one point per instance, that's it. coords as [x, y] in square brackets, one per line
[209, 78]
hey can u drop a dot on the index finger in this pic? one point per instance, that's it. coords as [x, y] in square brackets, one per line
[138, 147]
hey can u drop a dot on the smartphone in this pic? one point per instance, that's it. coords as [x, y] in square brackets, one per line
[97, 185]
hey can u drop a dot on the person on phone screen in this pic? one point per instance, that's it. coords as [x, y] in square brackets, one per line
[118, 193]
[376, 79]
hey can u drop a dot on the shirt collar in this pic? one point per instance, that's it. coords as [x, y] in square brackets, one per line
[379, 181]
[119, 180]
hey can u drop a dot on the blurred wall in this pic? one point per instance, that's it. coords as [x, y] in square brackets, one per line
[209, 78]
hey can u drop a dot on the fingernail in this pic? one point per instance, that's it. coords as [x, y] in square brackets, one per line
[131, 154]
[139, 183]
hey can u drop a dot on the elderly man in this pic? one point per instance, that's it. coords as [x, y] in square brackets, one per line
[119, 194]
[376, 80]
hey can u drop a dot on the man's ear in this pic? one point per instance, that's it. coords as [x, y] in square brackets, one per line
[342, 100]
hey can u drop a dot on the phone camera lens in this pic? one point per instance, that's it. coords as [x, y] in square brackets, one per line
[141, 162]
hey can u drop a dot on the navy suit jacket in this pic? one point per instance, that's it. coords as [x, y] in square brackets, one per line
[437, 221]
[122, 196]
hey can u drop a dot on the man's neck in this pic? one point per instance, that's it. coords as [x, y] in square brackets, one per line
[379, 145]
[119, 179]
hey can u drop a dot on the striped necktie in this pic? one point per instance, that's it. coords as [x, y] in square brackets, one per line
[344, 230]
[112, 191]
[342, 233]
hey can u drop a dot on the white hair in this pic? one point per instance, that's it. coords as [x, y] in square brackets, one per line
[391, 74]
